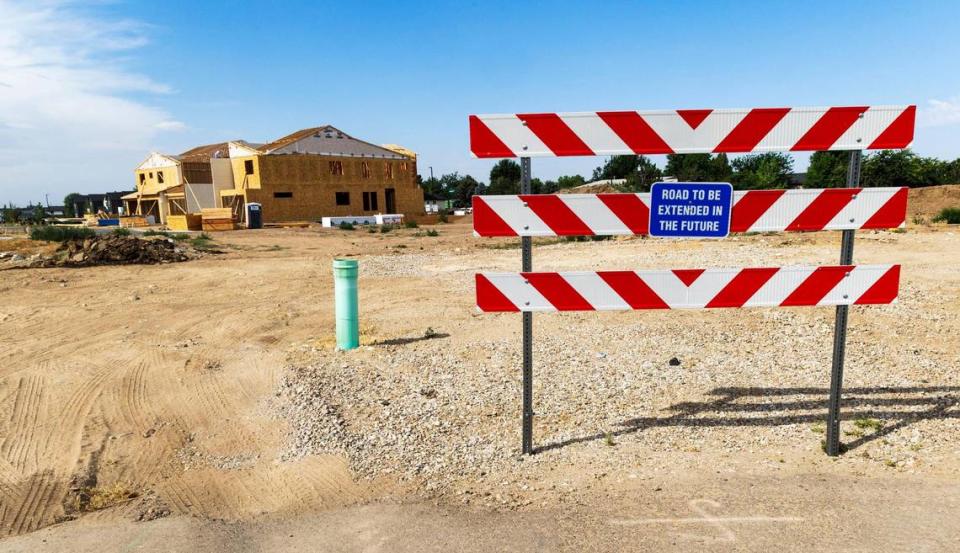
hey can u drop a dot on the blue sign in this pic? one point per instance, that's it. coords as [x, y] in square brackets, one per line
[690, 209]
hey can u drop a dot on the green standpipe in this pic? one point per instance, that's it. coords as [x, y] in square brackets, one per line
[345, 294]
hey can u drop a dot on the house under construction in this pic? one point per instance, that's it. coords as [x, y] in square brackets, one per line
[310, 174]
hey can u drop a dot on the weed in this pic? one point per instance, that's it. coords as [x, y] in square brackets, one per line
[345, 225]
[871, 424]
[949, 215]
[916, 447]
[608, 439]
[899, 230]
[371, 230]
[411, 224]
[890, 463]
[202, 242]
[400, 246]
[431, 232]
[856, 433]
[120, 231]
[60, 234]
[94, 499]
[919, 219]
[818, 428]
[386, 228]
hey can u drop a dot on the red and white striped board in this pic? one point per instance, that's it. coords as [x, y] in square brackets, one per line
[692, 131]
[753, 211]
[688, 288]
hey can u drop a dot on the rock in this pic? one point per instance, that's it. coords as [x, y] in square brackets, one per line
[674, 362]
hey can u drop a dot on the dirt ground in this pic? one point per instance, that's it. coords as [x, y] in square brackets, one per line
[163, 380]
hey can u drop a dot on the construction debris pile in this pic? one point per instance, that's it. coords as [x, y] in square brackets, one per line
[111, 249]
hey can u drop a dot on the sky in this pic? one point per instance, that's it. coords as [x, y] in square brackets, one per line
[89, 89]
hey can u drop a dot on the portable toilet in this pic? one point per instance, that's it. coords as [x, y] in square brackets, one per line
[254, 215]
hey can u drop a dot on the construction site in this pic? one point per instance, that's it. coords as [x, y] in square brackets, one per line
[188, 413]
[381, 277]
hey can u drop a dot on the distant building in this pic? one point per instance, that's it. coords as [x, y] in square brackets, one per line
[109, 202]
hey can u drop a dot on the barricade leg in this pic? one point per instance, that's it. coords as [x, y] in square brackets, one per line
[840, 326]
[527, 263]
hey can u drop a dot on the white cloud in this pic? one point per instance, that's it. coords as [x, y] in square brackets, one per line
[68, 117]
[938, 113]
[171, 126]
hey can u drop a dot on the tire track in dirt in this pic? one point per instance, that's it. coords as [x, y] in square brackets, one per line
[43, 492]
[41, 488]
[21, 443]
[130, 397]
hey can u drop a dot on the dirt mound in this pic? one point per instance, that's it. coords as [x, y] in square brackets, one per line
[116, 250]
[928, 201]
[590, 188]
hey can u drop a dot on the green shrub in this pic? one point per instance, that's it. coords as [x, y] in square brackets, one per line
[120, 231]
[411, 224]
[372, 230]
[60, 234]
[949, 215]
[385, 229]
[431, 232]
[346, 225]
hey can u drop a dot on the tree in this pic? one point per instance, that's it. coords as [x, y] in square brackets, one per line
[768, 170]
[616, 167]
[69, 204]
[11, 214]
[699, 167]
[892, 168]
[466, 187]
[905, 168]
[828, 169]
[547, 187]
[570, 181]
[505, 178]
[638, 171]
[432, 190]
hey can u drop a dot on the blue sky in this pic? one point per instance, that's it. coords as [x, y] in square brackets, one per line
[87, 91]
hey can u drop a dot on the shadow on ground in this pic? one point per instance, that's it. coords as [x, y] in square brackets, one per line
[733, 407]
[410, 340]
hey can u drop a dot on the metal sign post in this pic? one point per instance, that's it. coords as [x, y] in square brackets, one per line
[840, 326]
[527, 266]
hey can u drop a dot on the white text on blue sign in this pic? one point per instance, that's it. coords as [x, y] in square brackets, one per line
[690, 209]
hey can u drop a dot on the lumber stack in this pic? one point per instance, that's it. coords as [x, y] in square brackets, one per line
[190, 221]
[217, 218]
[134, 221]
